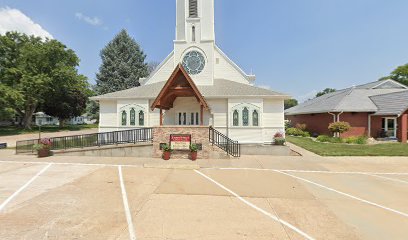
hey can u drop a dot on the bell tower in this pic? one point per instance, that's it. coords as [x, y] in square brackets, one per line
[195, 20]
[195, 39]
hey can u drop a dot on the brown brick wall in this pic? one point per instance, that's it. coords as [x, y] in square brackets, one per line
[199, 135]
[316, 123]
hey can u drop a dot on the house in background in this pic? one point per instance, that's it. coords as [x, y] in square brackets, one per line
[378, 109]
[44, 119]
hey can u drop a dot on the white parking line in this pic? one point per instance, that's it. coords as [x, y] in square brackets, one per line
[387, 178]
[344, 194]
[310, 171]
[256, 207]
[8, 200]
[126, 206]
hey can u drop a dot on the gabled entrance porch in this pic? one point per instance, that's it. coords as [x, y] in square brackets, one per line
[180, 102]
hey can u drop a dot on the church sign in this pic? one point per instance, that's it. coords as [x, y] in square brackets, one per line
[180, 141]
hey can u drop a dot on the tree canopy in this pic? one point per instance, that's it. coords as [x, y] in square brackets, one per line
[325, 91]
[400, 74]
[34, 72]
[289, 103]
[123, 64]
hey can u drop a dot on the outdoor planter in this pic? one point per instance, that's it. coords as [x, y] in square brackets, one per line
[166, 152]
[193, 152]
[43, 147]
[42, 153]
[166, 155]
[193, 156]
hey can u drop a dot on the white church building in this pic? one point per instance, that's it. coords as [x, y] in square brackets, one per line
[197, 85]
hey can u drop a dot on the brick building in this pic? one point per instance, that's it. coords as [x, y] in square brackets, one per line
[378, 109]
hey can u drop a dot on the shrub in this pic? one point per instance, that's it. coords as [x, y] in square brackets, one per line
[339, 127]
[288, 124]
[297, 132]
[356, 140]
[323, 138]
[328, 139]
[279, 139]
[301, 126]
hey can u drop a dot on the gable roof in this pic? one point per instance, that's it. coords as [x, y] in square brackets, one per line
[392, 103]
[354, 99]
[221, 89]
[179, 84]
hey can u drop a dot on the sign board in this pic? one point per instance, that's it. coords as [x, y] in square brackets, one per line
[180, 141]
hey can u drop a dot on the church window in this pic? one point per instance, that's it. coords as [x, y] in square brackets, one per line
[179, 119]
[192, 119]
[124, 118]
[132, 117]
[184, 118]
[255, 118]
[235, 118]
[193, 9]
[197, 119]
[245, 117]
[141, 118]
[193, 32]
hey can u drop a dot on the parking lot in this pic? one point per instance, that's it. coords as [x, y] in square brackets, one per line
[61, 199]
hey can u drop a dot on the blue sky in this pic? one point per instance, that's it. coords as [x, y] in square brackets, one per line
[293, 46]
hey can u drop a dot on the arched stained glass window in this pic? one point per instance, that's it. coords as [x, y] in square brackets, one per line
[255, 118]
[124, 118]
[235, 118]
[245, 117]
[141, 118]
[132, 117]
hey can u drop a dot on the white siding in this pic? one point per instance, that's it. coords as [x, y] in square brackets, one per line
[223, 69]
[108, 116]
[184, 104]
[219, 110]
[273, 118]
[164, 72]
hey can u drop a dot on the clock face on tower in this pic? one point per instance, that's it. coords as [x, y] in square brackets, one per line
[194, 62]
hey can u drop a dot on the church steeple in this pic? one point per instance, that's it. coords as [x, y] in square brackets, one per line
[195, 21]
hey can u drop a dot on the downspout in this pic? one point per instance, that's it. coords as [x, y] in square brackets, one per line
[369, 125]
[334, 119]
[338, 116]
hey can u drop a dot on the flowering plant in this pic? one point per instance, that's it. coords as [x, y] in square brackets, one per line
[44, 143]
[279, 139]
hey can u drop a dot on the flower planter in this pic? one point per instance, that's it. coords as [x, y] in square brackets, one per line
[166, 155]
[42, 153]
[193, 156]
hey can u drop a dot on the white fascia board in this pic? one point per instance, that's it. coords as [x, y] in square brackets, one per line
[158, 68]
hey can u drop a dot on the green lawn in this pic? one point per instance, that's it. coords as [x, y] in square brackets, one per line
[332, 149]
[8, 131]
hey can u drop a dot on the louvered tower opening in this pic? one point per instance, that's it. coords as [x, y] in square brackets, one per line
[193, 8]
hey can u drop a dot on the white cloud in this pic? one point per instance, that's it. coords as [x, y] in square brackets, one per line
[94, 21]
[15, 20]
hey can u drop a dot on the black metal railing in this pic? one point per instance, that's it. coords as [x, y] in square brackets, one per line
[231, 147]
[90, 140]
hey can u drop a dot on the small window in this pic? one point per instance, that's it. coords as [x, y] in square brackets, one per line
[179, 118]
[124, 118]
[192, 119]
[132, 117]
[184, 118]
[245, 117]
[235, 118]
[193, 32]
[193, 9]
[141, 118]
[197, 122]
[255, 118]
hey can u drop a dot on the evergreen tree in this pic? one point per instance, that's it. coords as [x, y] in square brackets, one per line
[123, 64]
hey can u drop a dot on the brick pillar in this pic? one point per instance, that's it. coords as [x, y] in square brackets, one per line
[403, 128]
